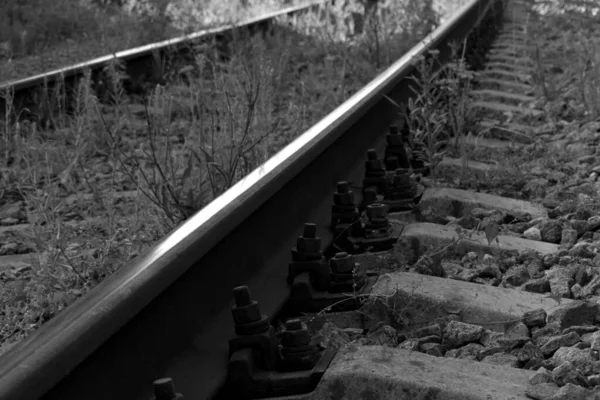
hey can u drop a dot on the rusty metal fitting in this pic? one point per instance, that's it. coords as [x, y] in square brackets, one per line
[377, 212]
[342, 263]
[246, 313]
[295, 334]
[164, 389]
[344, 196]
[309, 242]
[595, 354]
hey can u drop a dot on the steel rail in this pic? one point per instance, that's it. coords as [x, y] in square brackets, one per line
[146, 50]
[167, 313]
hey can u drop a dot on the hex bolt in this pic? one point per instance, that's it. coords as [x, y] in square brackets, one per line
[373, 164]
[293, 325]
[245, 311]
[309, 242]
[310, 231]
[242, 296]
[295, 334]
[343, 187]
[401, 179]
[344, 195]
[392, 163]
[394, 138]
[342, 263]
[164, 389]
[377, 210]
[296, 347]
[369, 195]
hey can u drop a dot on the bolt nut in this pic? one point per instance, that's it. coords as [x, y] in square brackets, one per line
[164, 389]
[310, 231]
[309, 242]
[246, 314]
[392, 163]
[304, 245]
[401, 179]
[295, 334]
[369, 195]
[293, 325]
[377, 210]
[595, 354]
[342, 263]
[344, 196]
[242, 296]
[343, 187]
[373, 165]
[245, 311]
[394, 138]
[345, 199]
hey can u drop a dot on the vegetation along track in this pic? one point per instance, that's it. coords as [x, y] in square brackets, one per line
[415, 284]
[142, 65]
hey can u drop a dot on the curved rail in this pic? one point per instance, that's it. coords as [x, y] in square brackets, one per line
[167, 312]
[144, 51]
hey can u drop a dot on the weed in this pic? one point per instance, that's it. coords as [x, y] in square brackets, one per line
[456, 85]
[589, 74]
[441, 109]
[426, 120]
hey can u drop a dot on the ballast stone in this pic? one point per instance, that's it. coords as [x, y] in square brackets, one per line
[533, 233]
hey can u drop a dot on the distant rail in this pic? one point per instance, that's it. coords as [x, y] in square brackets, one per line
[141, 60]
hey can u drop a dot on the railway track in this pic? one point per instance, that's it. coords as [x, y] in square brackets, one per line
[142, 65]
[388, 243]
